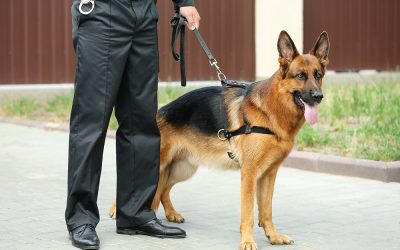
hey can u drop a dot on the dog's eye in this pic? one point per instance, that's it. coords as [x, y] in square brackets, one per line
[302, 76]
[317, 76]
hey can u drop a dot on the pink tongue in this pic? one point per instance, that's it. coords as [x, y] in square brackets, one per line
[311, 113]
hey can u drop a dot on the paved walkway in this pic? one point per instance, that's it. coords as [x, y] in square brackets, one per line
[318, 211]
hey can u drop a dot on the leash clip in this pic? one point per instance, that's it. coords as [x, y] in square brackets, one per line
[84, 2]
[214, 63]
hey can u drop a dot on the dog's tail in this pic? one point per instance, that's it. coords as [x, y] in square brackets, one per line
[113, 211]
[162, 184]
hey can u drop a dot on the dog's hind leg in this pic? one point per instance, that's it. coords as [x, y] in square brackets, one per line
[162, 184]
[265, 190]
[179, 171]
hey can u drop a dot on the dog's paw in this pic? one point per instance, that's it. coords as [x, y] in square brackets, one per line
[175, 217]
[248, 245]
[280, 239]
[113, 211]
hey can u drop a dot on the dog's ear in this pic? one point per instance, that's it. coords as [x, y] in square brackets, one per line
[321, 48]
[287, 49]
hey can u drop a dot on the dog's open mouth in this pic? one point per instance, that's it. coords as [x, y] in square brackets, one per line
[310, 110]
[298, 101]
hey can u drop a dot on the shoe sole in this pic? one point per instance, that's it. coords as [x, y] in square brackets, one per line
[134, 232]
[83, 247]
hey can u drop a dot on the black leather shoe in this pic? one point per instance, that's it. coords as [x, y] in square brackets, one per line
[153, 228]
[85, 237]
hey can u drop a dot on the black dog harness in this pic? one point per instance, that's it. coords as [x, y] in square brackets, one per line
[178, 26]
[224, 134]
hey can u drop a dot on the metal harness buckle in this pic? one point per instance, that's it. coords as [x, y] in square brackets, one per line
[84, 2]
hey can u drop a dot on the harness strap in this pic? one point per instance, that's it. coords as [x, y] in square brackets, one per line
[225, 134]
[233, 84]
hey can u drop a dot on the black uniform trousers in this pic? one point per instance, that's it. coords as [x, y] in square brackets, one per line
[117, 66]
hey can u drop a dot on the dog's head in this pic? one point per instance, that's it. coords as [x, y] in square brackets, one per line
[302, 74]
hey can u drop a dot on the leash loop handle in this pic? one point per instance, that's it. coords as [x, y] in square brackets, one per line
[84, 2]
[178, 26]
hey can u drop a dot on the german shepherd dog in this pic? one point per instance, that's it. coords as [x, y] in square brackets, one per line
[189, 127]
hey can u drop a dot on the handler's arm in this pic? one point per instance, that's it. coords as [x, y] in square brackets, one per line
[187, 9]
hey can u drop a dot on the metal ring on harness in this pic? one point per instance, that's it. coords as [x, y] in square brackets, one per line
[223, 138]
[83, 2]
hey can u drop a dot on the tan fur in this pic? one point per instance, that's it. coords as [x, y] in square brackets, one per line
[270, 104]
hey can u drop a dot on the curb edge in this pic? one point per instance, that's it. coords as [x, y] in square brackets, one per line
[309, 161]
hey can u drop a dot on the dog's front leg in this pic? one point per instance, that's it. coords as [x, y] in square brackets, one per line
[265, 190]
[248, 186]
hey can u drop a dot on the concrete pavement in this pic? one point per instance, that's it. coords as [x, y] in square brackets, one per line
[318, 211]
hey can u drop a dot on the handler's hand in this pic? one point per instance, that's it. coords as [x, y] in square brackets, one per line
[192, 17]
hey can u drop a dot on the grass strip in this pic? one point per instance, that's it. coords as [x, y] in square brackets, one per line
[356, 120]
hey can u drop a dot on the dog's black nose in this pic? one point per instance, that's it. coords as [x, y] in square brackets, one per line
[317, 95]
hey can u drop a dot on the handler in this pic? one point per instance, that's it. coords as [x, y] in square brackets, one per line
[117, 66]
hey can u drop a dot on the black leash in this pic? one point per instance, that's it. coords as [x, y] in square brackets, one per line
[178, 27]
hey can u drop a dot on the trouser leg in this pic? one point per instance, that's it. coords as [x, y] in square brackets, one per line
[101, 46]
[138, 139]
